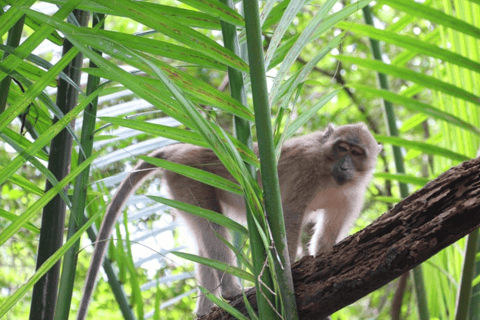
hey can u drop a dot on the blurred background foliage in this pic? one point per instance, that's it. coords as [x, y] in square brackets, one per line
[167, 287]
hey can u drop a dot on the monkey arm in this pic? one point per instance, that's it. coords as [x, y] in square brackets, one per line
[418, 227]
[128, 186]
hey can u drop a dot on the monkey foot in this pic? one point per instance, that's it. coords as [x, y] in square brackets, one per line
[231, 294]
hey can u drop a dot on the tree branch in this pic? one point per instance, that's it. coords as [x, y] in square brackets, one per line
[445, 210]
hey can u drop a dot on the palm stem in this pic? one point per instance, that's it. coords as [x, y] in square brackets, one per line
[268, 165]
[399, 164]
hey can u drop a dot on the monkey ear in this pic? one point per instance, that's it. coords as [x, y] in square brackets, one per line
[379, 147]
[328, 132]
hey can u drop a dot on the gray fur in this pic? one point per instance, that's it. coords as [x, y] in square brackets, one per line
[323, 176]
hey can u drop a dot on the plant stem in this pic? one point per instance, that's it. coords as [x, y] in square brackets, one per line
[465, 289]
[244, 135]
[268, 165]
[13, 40]
[399, 164]
[53, 219]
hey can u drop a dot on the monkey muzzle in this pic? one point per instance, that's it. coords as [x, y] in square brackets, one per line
[343, 170]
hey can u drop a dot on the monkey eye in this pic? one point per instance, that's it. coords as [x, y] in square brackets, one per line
[341, 148]
[356, 152]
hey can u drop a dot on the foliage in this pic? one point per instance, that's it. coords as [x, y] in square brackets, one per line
[163, 69]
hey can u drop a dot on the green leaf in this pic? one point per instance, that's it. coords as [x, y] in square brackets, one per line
[171, 28]
[196, 174]
[164, 49]
[32, 92]
[326, 25]
[210, 215]
[180, 135]
[222, 304]
[219, 141]
[219, 265]
[217, 9]
[154, 94]
[199, 89]
[12, 217]
[428, 13]
[190, 18]
[23, 219]
[304, 38]
[136, 296]
[388, 199]
[241, 258]
[287, 17]
[13, 14]
[412, 122]
[305, 116]
[173, 133]
[47, 265]
[21, 142]
[44, 118]
[32, 42]
[40, 167]
[291, 84]
[151, 94]
[40, 62]
[416, 46]
[54, 37]
[420, 78]
[27, 185]
[44, 138]
[417, 106]
[422, 146]
[404, 178]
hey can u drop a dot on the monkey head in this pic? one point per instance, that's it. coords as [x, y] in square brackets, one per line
[351, 151]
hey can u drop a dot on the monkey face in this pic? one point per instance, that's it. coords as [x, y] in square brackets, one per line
[347, 159]
[351, 152]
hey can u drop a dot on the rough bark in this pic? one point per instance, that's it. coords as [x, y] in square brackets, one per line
[445, 210]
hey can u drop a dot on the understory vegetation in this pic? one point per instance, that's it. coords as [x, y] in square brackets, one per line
[152, 73]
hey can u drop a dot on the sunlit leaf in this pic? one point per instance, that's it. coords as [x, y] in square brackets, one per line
[422, 146]
[417, 106]
[402, 178]
[416, 46]
[219, 265]
[194, 39]
[217, 9]
[420, 78]
[428, 13]
[196, 174]
[212, 216]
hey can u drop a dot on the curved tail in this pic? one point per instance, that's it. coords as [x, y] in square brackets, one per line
[128, 186]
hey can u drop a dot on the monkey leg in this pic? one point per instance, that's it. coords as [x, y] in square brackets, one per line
[331, 227]
[293, 214]
[205, 235]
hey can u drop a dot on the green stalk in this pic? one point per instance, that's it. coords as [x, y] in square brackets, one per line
[13, 41]
[468, 298]
[44, 296]
[475, 299]
[77, 217]
[399, 164]
[268, 165]
[244, 135]
[115, 284]
[78, 200]
[465, 290]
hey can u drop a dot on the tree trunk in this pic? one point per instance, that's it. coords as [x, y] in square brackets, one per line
[445, 210]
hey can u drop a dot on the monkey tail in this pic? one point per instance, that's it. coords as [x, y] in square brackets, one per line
[128, 186]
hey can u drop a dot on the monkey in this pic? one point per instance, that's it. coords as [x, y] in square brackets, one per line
[323, 177]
